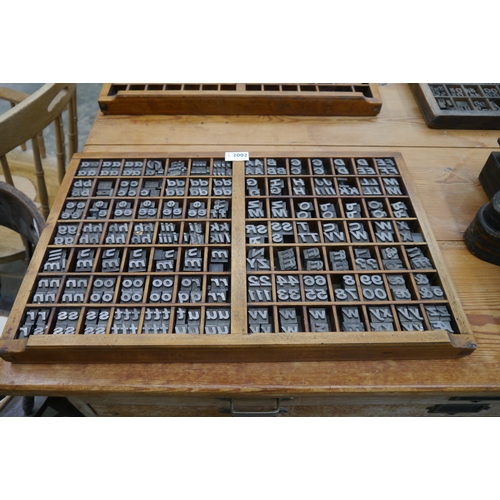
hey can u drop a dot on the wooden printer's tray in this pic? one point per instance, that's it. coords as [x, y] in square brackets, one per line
[299, 257]
[311, 99]
[471, 106]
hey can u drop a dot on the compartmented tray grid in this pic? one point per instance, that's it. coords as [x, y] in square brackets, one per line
[314, 99]
[180, 258]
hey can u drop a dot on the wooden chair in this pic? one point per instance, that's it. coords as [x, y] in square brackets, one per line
[28, 118]
[15, 97]
[20, 214]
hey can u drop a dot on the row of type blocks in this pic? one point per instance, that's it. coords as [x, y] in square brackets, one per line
[119, 233]
[137, 259]
[338, 260]
[331, 232]
[380, 318]
[318, 166]
[146, 209]
[132, 289]
[136, 168]
[84, 188]
[270, 166]
[315, 288]
[324, 186]
[127, 321]
[304, 209]
[190, 290]
[218, 320]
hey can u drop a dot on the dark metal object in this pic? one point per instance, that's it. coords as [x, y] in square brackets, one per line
[482, 237]
[28, 405]
[453, 409]
[490, 174]
[271, 413]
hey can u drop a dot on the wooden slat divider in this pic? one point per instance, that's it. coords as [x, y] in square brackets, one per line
[238, 252]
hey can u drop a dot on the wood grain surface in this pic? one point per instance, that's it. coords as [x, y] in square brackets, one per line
[399, 123]
[444, 166]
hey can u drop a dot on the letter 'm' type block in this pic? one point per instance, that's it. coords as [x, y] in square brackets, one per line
[111, 260]
[85, 260]
[164, 259]
[137, 260]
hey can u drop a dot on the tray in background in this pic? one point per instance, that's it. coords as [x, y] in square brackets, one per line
[472, 106]
[311, 99]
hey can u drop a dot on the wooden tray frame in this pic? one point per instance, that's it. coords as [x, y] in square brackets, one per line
[350, 99]
[435, 117]
[237, 346]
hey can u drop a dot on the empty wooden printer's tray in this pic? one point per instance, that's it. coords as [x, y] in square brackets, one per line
[311, 99]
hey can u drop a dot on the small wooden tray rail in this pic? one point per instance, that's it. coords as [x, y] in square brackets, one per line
[472, 106]
[312, 99]
[362, 180]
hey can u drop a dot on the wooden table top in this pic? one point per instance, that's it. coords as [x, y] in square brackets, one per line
[444, 165]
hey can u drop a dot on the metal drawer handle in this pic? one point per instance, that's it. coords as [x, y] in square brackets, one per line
[271, 413]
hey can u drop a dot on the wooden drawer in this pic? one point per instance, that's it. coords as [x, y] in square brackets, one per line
[294, 406]
[346, 99]
[299, 258]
